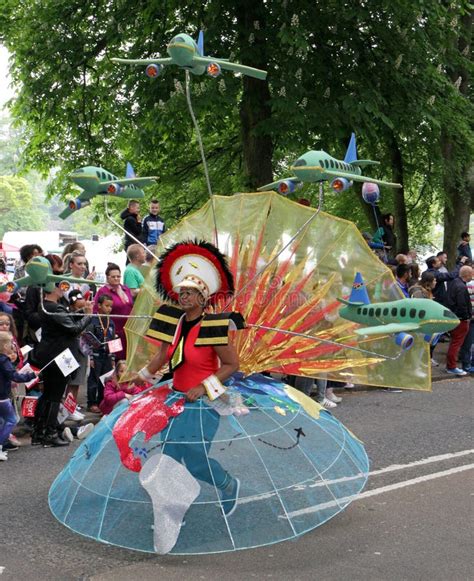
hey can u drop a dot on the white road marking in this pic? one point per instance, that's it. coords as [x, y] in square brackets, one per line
[376, 491]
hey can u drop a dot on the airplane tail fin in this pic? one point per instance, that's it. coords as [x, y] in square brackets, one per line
[200, 43]
[359, 291]
[130, 173]
[351, 153]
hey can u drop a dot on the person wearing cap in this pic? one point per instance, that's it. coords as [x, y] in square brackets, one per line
[200, 355]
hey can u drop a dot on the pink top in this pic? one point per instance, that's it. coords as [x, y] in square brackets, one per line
[115, 392]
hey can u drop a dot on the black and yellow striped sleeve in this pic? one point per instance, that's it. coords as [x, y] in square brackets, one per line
[164, 323]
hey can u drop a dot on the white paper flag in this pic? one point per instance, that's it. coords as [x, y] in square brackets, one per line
[66, 362]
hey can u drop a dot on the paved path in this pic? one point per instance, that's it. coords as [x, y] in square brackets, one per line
[414, 520]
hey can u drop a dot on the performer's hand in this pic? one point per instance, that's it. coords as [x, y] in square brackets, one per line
[195, 393]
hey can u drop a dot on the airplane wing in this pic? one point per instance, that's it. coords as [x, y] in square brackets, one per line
[61, 278]
[390, 328]
[235, 67]
[357, 178]
[274, 185]
[364, 162]
[163, 61]
[18, 283]
[139, 182]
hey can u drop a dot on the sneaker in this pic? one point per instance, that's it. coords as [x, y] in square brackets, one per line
[328, 404]
[331, 396]
[434, 363]
[76, 416]
[349, 385]
[230, 496]
[84, 431]
[456, 371]
[9, 447]
[3, 455]
[14, 440]
[67, 435]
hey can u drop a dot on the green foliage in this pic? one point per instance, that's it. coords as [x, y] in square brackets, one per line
[17, 208]
[382, 69]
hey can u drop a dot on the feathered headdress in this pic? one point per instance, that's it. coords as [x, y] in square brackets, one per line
[194, 264]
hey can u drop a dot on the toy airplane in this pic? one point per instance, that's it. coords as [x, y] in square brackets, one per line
[319, 166]
[40, 273]
[96, 181]
[413, 315]
[184, 52]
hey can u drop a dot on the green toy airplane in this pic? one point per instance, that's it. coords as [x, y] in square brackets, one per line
[96, 181]
[413, 315]
[40, 273]
[184, 52]
[319, 166]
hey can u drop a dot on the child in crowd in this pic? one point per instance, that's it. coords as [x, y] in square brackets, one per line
[153, 224]
[116, 392]
[100, 331]
[8, 373]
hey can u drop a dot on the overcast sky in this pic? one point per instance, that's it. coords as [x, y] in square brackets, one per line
[5, 91]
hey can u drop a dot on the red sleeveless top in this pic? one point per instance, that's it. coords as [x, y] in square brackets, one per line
[199, 362]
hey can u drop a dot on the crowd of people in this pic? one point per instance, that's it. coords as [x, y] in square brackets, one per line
[89, 321]
[86, 319]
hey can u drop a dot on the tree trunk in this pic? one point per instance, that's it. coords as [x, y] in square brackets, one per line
[255, 105]
[400, 210]
[458, 196]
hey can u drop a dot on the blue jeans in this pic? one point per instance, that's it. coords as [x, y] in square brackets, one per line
[198, 423]
[8, 420]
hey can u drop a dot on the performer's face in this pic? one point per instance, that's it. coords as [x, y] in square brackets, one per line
[190, 298]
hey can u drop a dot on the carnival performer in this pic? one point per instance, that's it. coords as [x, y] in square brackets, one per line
[200, 356]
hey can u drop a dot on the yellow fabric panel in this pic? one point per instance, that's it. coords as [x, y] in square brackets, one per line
[329, 251]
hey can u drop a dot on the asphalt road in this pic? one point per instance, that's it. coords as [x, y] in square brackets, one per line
[414, 520]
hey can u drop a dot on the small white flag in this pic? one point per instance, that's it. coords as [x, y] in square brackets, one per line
[106, 376]
[66, 362]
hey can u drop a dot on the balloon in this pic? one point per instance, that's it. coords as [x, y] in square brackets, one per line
[370, 193]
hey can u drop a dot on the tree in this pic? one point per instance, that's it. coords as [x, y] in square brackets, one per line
[333, 68]
[17, 211]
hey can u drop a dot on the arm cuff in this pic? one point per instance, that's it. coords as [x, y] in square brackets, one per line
[214, 387]
[146, 375]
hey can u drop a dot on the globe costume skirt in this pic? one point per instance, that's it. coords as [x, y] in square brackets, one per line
[260, 465]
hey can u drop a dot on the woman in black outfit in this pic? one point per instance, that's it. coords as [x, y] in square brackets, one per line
[59, 331]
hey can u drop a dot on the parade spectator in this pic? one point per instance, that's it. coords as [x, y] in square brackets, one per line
[440, 292]
[101, 362]
[27, 252]
[412, 256]
[150, 256]
[424, 288]
[33, 300]
[466, 355]
[132, 224]
[67, 252]
[414, 274]
[132, 276]
[386, 234]
[459, 301]
[401, 259]
[402, 277]
[153, 224]
[122, 302]
[77, 269]
[60, 331]
[77, 303]
[464, 248]
[115, 392]
[7, 375]
[443, 258]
